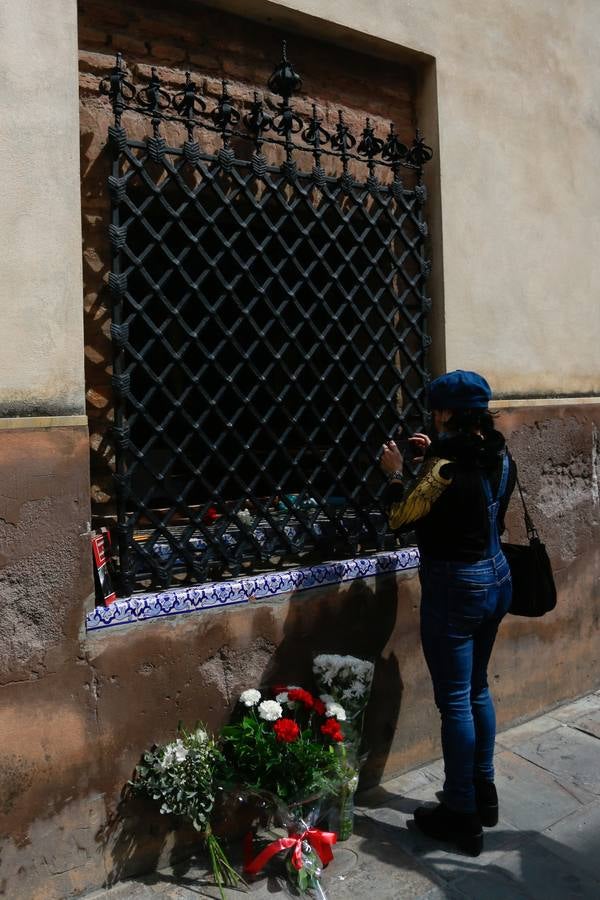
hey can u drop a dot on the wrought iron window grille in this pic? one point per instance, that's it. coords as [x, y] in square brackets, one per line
[268, 328]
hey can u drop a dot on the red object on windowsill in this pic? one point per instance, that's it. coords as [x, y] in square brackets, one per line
[211, 515]
[101, 544]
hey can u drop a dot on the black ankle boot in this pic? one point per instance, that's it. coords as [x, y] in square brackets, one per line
[486, 798]
[444, 824]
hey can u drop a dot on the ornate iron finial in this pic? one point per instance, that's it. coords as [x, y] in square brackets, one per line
[342, 140]
[314, 133]
[370, 146]
[224, 115]
[284, 81]
[419, 152]
[189, 104]
[155, 100]
[153, 97]
[256, 120]
[394, 150]
[118, 89]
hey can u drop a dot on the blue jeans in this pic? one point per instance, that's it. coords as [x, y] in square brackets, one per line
[461, 608]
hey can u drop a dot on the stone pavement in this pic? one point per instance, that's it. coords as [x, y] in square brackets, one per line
[545, 847]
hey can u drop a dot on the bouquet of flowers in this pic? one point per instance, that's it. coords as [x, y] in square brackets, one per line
[288, 747]
[284, 746]
[181, 775]
[346, 685]
[345, 680]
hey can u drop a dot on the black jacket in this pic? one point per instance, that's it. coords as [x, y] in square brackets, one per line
[447, 506]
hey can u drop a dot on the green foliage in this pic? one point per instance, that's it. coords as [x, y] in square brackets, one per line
[293, 771]
[180, 776]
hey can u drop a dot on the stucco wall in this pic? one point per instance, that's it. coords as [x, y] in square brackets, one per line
[40, 268]
[76, 712]
[519, 139]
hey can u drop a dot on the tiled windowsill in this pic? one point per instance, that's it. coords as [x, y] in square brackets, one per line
[195, 599]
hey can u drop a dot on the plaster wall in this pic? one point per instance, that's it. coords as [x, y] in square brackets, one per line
[519, 139]
[40, 266]
[76, 711]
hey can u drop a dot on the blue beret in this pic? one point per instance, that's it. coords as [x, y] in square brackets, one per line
[459, 390]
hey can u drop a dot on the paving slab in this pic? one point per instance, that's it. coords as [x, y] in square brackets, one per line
[576, 839]
[385, 871]
[442, 860]
[490, 885]
[572, 711]
[530, 797]
[568, 753]
[520, 733]
[590, 724]
[542, 874]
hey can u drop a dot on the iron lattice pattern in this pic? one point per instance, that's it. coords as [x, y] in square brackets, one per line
[268, 325]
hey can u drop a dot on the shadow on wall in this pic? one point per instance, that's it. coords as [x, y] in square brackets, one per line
[357, 620]
[136, 838]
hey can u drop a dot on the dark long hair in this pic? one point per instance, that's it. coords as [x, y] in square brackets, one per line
[466, 421]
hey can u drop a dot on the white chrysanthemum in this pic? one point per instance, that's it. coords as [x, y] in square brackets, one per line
[250, 697]
[270, 710]
[355, 691]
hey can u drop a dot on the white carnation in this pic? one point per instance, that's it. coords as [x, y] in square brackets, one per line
[270, 710]
[333, 709]
[250, 697]
[282, 698]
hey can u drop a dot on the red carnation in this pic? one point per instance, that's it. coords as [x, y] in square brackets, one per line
[332, 729]
[286, 730]
[279, 689]
[302, 696]
[319, 707]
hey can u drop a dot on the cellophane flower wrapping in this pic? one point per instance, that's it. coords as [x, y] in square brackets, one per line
[301, 862]
[344, 682]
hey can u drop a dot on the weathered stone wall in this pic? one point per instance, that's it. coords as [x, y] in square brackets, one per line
[75, 713]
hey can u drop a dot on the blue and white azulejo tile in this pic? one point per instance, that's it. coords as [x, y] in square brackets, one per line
[195, 598]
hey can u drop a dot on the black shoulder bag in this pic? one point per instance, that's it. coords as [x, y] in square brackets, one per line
[533, 588]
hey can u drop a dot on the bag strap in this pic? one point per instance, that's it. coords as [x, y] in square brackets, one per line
[503, 477]
[530, 527]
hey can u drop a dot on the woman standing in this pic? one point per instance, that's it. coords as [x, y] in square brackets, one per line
[457, 510]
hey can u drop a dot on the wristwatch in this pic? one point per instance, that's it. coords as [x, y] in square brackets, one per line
[395, 476]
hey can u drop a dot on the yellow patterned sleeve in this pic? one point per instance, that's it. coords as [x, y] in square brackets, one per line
[422, 497]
